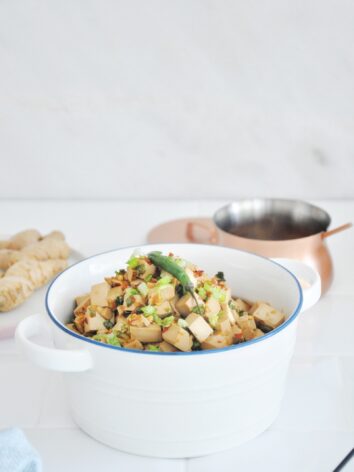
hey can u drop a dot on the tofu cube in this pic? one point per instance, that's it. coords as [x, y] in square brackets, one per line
[157, 295]
[134, 344]
[248, 326]
[93, 321]
[81, 298]
[267, 317]
[259, 333]
[237, 335]
[146, 334]
[229, 313]
[212, 307]
[99, 293]
[113, 293]
[83, 305]
[178, 337]
[223, 325]
[216, 341]
[185, 304]
[163, 309]
[241, 305]
[167, 347]
[199, 327]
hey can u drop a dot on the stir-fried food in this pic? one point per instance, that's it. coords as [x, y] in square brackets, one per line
[164, 303]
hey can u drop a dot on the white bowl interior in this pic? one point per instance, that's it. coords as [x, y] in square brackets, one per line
[250, 277]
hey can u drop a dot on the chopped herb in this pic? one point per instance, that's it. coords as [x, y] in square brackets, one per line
[232, 304]
[108, 339]
[121, 272]
[241, 312]
[220, 276]
[182, 323]
[129, 301]
[202, 293]
[127, 312]
[133, 262]
[180, 290]
[196, 346]
[164, 281]
[199, 310]
[140, 268]
[131, 291]
[149, 310]
[108, 324]
[165, 322]
[148, 278]
[139, 311]
[152, 347]
[119, 300]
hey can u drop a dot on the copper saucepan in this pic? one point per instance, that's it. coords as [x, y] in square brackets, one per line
[275, 228]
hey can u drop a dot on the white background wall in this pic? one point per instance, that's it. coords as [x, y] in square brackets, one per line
[178, 98]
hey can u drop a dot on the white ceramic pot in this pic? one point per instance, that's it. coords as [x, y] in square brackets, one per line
[173, 404]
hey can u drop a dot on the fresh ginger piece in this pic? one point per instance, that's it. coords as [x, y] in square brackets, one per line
[38, 273]
[13, 291]
[47, 249]
[55, 235]
[8, 257]
[23, 239]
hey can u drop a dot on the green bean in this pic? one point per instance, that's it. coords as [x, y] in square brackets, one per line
[169, 265]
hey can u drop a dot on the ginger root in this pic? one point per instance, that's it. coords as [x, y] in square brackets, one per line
[27, 262]
[8, 257]
[38, 273]
[48, 248]
[13, 292]
[21, 239]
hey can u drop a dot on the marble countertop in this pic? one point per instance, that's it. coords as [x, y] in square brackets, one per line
[315, 428]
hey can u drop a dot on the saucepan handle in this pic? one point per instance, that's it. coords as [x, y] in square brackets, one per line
[212, 234]
[61, 360]
[308, 278]
[325, 234]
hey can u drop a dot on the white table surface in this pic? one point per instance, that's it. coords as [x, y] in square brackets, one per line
[315, 428]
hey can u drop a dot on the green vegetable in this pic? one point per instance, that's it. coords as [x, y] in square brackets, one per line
[131, 292]
[143, 289]
[202, 293]
[140, 268]
[220, 276]
[164, 281]
[164, 322]
[108, 324]
[213, 320]
[182, 323]
[133, 262]
[217, 292]
[171, 266]
[108, 339]
[151, 347]
[199, 310]
[148, 278]
[149, 310]
[119, 301]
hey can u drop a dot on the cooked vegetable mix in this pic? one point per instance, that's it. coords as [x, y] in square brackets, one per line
[164, 303]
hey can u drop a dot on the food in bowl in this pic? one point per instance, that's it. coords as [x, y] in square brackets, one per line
[165, 303]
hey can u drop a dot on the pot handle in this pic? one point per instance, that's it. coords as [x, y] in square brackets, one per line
[61, 360]
[325, 234]
[211, 232]
[308, 278]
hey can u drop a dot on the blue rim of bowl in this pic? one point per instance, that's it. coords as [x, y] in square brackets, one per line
[275, 331]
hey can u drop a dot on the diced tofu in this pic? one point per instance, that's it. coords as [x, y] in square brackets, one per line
[237, 335]
[227, 310]
[131, 302]
[241, 305]
[93, 321]
[212, 307]
[167, 347]
[199, 327]
[178, 337]
[216, 341]
[81, 298]
[99, 293]
[267, 317]
[163, 309]
[104, 311]
[185, 304]
[223, 325]
[248, 326]
[157, 295]
[134, 344]
[121, 324]
[259, 333]
[147, 334]
[191, 276]
[83, 305]
[113, 293]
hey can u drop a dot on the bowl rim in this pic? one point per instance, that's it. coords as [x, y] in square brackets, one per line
[233, 347]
